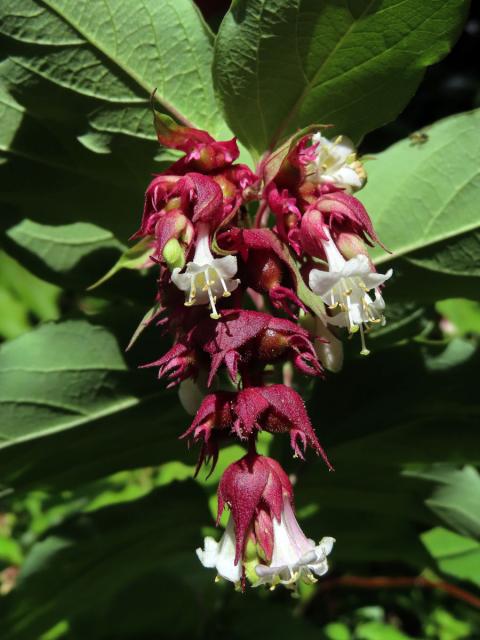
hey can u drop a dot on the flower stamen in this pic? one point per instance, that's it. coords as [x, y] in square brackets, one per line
[206, 278]
[346, 286]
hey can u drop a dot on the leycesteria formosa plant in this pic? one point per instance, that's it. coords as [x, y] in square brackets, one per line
[246, 260]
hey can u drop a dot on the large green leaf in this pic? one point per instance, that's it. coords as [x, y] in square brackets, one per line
[67, 180]
[57, 375]
[71, 411]
[74, 100]
[121, 571]
[423, 198]
[75, 256]
[74, 253]
[281, 65]
[119, 52]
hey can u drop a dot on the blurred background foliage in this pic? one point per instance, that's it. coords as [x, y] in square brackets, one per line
[99, 515]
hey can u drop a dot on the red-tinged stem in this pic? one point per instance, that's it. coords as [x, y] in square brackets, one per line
[261, 164]
[259, 217]
[387, 582]
[252, 447]
[251, 377]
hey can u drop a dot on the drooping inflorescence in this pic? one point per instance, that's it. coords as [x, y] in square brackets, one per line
[247, 260]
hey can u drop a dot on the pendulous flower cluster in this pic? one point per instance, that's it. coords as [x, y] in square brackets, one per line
[259, 274]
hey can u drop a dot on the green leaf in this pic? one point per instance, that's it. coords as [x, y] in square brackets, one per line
[117, 555]
[444, 626]
[281, 65]
[75, 91]
[105, 189]
[423, 198]
[10, 551]
[70, 253]
[14, 317]
[456, 497]
[24, 299]
[337, 631]
[379, 631]
[459, 255]
[456, 555]
[444, 357]
[56, 375]
[120, 52]
[71, 411]
[413, 285]
[133, 258]
[463, 314]
[403, 406]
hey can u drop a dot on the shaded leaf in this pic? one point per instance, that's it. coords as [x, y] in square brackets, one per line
[117, 554]
[456, 497]
[74, 100]
[65, 253]
[68, 384]
[120, 54]
[24, 299]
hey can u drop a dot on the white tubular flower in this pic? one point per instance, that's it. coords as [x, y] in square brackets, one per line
[221, 555]
[295, 557]
[206, 278]
[345, 287]
[336, 163]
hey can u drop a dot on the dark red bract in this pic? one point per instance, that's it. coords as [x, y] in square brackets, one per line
[276, 409]
[254, 488]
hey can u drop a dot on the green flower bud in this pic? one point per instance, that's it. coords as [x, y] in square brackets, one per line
[173, 254]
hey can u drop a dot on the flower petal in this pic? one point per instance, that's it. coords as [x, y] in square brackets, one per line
[357, 266]
[181, 280]
[209, 555]
[221, 555]
[321, 282]
[374, 280]
[226, 267]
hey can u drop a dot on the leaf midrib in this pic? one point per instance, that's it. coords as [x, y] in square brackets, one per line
[119, 406]
[65, 242]
[64, 370]
[424, 242]
[126, 69]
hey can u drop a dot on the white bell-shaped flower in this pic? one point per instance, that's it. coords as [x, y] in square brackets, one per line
[345, 286]
[206, 279]
[295, 557]
[221, 555]
[336, 163]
